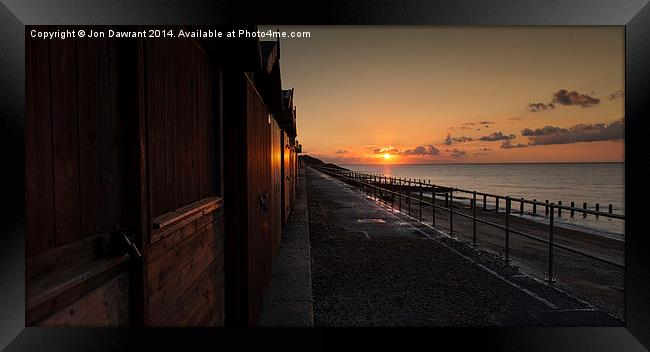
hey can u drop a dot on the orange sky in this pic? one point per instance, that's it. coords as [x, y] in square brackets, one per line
[362, 92]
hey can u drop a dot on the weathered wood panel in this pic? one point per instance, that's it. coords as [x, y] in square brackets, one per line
[185, 249]
[75, 166]
[180, 119]
[108, 305]
[259, 199]
[75, 160]
[185, 265]
[123, 134]
[65, 142]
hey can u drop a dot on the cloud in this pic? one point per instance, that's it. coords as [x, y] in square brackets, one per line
[537, 107]
[450, 140]
[497, 136]
[619, 94]
[386, 150]
[419, 150]
[574, 134]
[544, 131]
[474, 124]
[342, 151]
[422, 150]
[457, 153]
[507, 144]
[564, 97]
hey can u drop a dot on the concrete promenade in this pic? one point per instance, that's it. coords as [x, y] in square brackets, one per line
[288, 301]
[372, 267]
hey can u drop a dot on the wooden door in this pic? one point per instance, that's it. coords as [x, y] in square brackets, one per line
[183, 264]
[81, 183]
[260, 198]
[276, 165]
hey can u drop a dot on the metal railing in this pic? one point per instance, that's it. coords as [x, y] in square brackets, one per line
[380, 187]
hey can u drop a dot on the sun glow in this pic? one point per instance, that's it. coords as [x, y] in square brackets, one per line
[387, 156]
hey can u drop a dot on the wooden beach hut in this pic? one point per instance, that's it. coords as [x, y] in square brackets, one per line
[287, 119]
[153, 184]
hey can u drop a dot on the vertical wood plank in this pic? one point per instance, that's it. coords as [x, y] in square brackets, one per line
[89, 138]
[110, 135]
[40, 224]
[170, 125]
[65, 141]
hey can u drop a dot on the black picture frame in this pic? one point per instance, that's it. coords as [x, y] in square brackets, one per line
[633, 14]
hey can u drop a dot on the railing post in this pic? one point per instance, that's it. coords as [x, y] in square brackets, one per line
[550, 278]
[447, 199]
[474, 218]
[597, 208]
[451, 213]
[609, 210]
[496, 204]
[559, 210]
[420, 186]
[408, 195]
[383, 190]
[584, 206]
[399, 191]
[534, 206]
[433, 208]
[546, 208]
[572, 211]
[484, 202]
[392, 195]
[376, 187]
[521, 207]
[508, 229]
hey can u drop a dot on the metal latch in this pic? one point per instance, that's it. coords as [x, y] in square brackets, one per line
[262, 198]
[123, 242]
[120, 243]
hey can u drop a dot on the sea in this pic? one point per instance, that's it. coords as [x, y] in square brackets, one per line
[602, 183]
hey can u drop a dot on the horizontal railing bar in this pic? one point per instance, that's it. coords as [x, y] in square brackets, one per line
[514, 199]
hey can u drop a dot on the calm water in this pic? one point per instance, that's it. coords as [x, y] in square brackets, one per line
[602, 183]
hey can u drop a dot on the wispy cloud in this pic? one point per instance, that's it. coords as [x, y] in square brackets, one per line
[458, 153]
[342, 151]
[537, 107]
[451, 140]
[619, 94]
[509, 145]
[497, 136]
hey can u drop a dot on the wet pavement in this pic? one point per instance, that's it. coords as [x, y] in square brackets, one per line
[374, 267]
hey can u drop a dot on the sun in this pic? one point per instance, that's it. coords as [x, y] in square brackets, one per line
[387, 156]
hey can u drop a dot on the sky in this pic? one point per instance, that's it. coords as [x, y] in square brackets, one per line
[458, 94]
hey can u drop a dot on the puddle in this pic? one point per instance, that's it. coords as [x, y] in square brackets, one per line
[373, 221]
